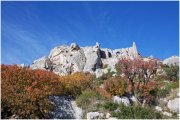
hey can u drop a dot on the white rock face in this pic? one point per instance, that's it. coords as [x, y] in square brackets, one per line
[94, 115]
[124, 100]
[167, 114]
[42, 63]
[65, 108]
[172, 60]
[158, 108]
[173, 105]
[64, 59]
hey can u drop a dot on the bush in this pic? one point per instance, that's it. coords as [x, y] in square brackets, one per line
[146, 92]
[90, 101]
[137, 70]
[87, 98]
[135, 112]
[116, 85]
[75, 83]
[110, 106]
[172, 72]
[25, 91]
[164, 90]
[103, 93]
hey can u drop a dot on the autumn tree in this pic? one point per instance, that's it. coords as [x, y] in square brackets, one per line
[137, 69]
[25, 91]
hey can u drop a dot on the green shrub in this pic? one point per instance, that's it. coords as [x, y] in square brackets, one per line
[110, 106]
[87, 98]
[135, 112]
[162, 92]
[90, 101]
[172, 72]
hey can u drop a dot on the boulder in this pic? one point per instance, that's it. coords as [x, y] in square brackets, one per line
[108, 115]
[171, 60]
[173, 105]
[158, 108]
[65, 108]
[94, 115]
[124, 100]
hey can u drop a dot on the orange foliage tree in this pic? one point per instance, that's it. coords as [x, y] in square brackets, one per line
[25, 91]
[137, 69]
[139, 73]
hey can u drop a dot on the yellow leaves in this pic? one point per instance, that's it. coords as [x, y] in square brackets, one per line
[75, 83]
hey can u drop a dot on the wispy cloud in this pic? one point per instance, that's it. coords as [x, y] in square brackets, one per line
[17, 44]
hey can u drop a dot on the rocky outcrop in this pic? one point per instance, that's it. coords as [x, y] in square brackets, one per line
[42, 63]
[65, 108]
[172, 60]
[64, 59]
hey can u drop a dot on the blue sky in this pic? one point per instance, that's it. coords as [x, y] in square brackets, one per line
[31, 29]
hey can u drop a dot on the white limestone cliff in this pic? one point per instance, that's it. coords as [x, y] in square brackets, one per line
[64, 59]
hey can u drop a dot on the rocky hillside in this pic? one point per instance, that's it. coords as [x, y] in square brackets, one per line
[75, 82]
[64, 59]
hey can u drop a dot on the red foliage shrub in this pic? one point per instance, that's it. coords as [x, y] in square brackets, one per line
[139, 73]
[25, 91]
[137, 69]
[147, 92]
